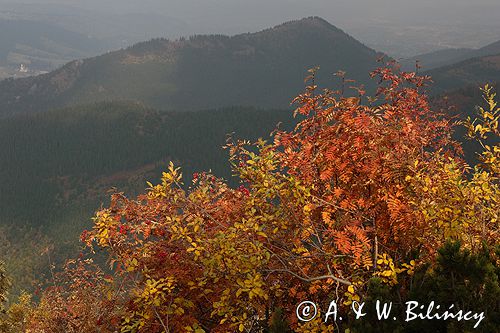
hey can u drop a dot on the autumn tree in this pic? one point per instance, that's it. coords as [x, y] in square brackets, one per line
[364, 190]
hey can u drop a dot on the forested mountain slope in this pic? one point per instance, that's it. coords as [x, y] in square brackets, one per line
[472, 72]
[49, 160]
[448, 57]
[264, 69]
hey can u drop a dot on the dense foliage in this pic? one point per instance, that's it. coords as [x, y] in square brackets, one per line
[359, 200]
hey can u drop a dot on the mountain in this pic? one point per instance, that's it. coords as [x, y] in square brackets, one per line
[493, 48]
[41, 46]
[472, 72]
[436, 59]
[447, 57]
[263, 69]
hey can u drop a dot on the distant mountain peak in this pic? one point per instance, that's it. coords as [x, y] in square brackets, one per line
[312, 22]
[316, 20]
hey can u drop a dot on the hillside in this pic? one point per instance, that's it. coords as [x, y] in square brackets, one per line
[466, 99]
[73, 156]
[264, 69]
[447, 57]
[493, 48]
[436, 59]
[472, 72]
[41, 46]
[461, 104]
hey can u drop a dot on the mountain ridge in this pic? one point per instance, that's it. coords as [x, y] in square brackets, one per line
[447, 57]
[262, 69]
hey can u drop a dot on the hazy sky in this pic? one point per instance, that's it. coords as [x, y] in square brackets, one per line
[264, 12]
[403, 27]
